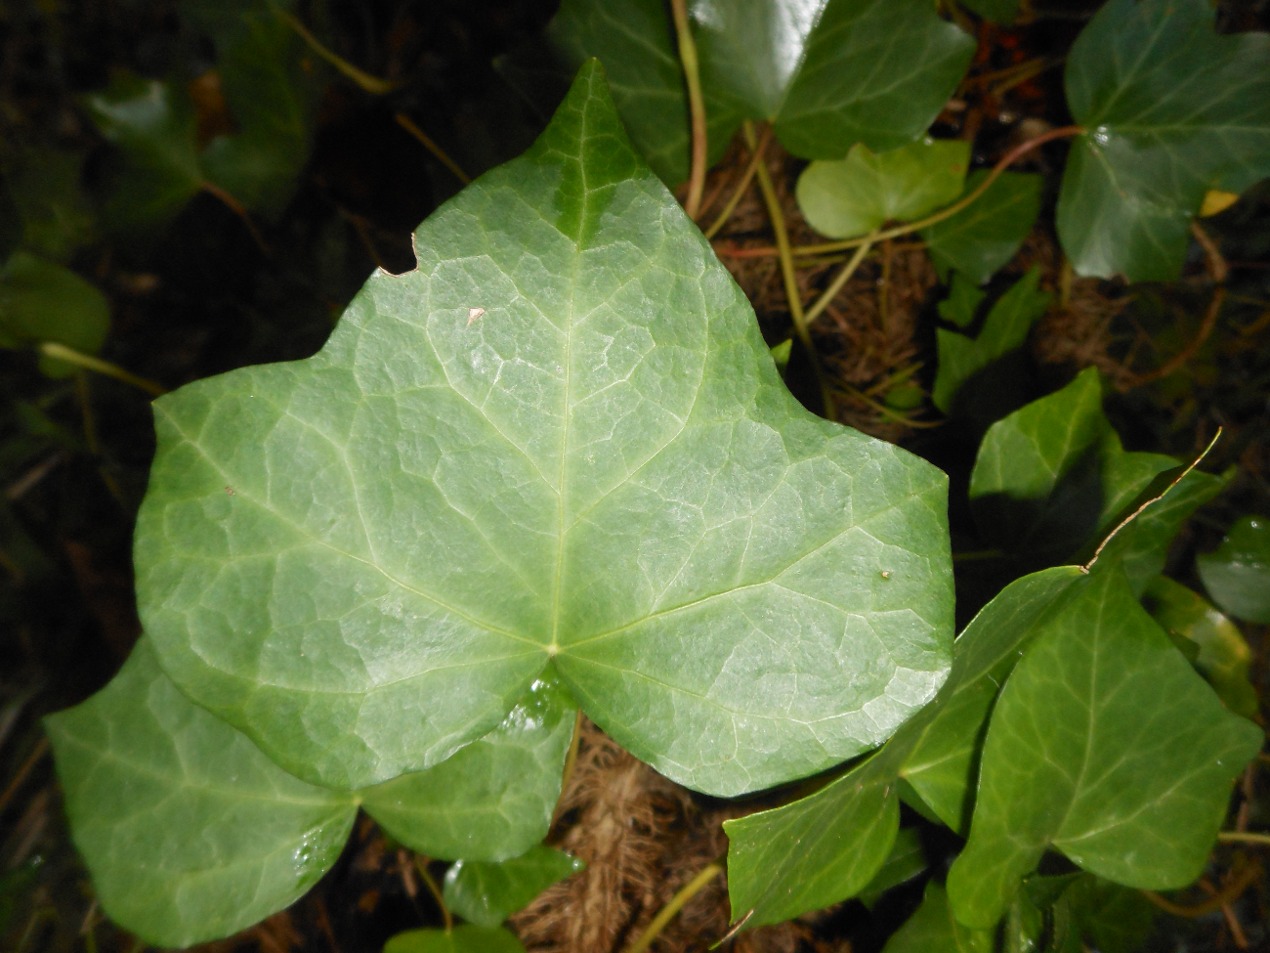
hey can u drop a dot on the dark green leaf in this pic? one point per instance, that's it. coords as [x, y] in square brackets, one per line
[1081, 756]
[828, 74]
[462, 939]
[1115, 918]
[843, 198]
[1222, 655]
[999, 11]
[977, 377]
[1052, 477]
[153, 125]
[906, 860]
[1171, 110]
[985, 235]
[488, 893]
[42, 301]
[560, 442]
[961, 307]
[190, 832]
[1237, 573]
[933, 927]
[10, 222]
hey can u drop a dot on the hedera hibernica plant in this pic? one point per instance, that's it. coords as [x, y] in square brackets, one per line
[556, 451]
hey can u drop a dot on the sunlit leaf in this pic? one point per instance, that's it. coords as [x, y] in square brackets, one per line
[1080, 756]
[560, 443]
[488, 893]
[982, 237]
[1171, 110]
[843, 198]
[1237, 573]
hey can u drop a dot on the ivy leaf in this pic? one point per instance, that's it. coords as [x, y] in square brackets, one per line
[493, 799]
[933, 927]
[826, 73]
[843, 198]
[467, 938]
[1052, 476]
[191, 833]
[41, 301]
[1236, 573]
[153, 125]
[998, 11]
[488, 893]
[828, 846]
[1221, 653]
[977, 377]
[982, 237]
[1076, 759]
[1154, 145]
[559, 443]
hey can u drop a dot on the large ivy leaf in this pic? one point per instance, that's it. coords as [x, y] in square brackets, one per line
[1052, 476]
[558, 443]
[826, 73]
[1155, 144]
[826, 847]
[191, 833]
[1080, 756]
[843, 198]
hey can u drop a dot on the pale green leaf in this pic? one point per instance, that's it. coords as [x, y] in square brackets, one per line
[493, 799]
[843, 198]
[828, 846]
[488, 893]
[189, 831]
[826, 73]
[982, 237]
[1081, 757]
[1237, 573]
[981, 377]
[559, 443]
[467, 938]
[1170, 110]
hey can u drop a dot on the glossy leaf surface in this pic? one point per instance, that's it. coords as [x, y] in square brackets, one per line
[826, 847]
[1171, 110]
[559, 443]
[488, 893]
[826, 73]
[843, 198]
[1237, 573]
[190, 832]
[1081, 757]
[982, 237]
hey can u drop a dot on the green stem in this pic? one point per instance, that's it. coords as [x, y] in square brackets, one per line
[667, 913]
[1244, 837]
[781, 232]
[61, 352]
[696, 106]
[756, 156]
[841, 278]
[441, 155]
[421, 866]
[371, 84]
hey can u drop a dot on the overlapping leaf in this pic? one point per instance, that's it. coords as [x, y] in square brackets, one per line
[487, 893]
[1171, 110]
[1237, 573]
[559, 443]
[826, 73]
[982, 237]
[1081, 756]
[191, 833]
